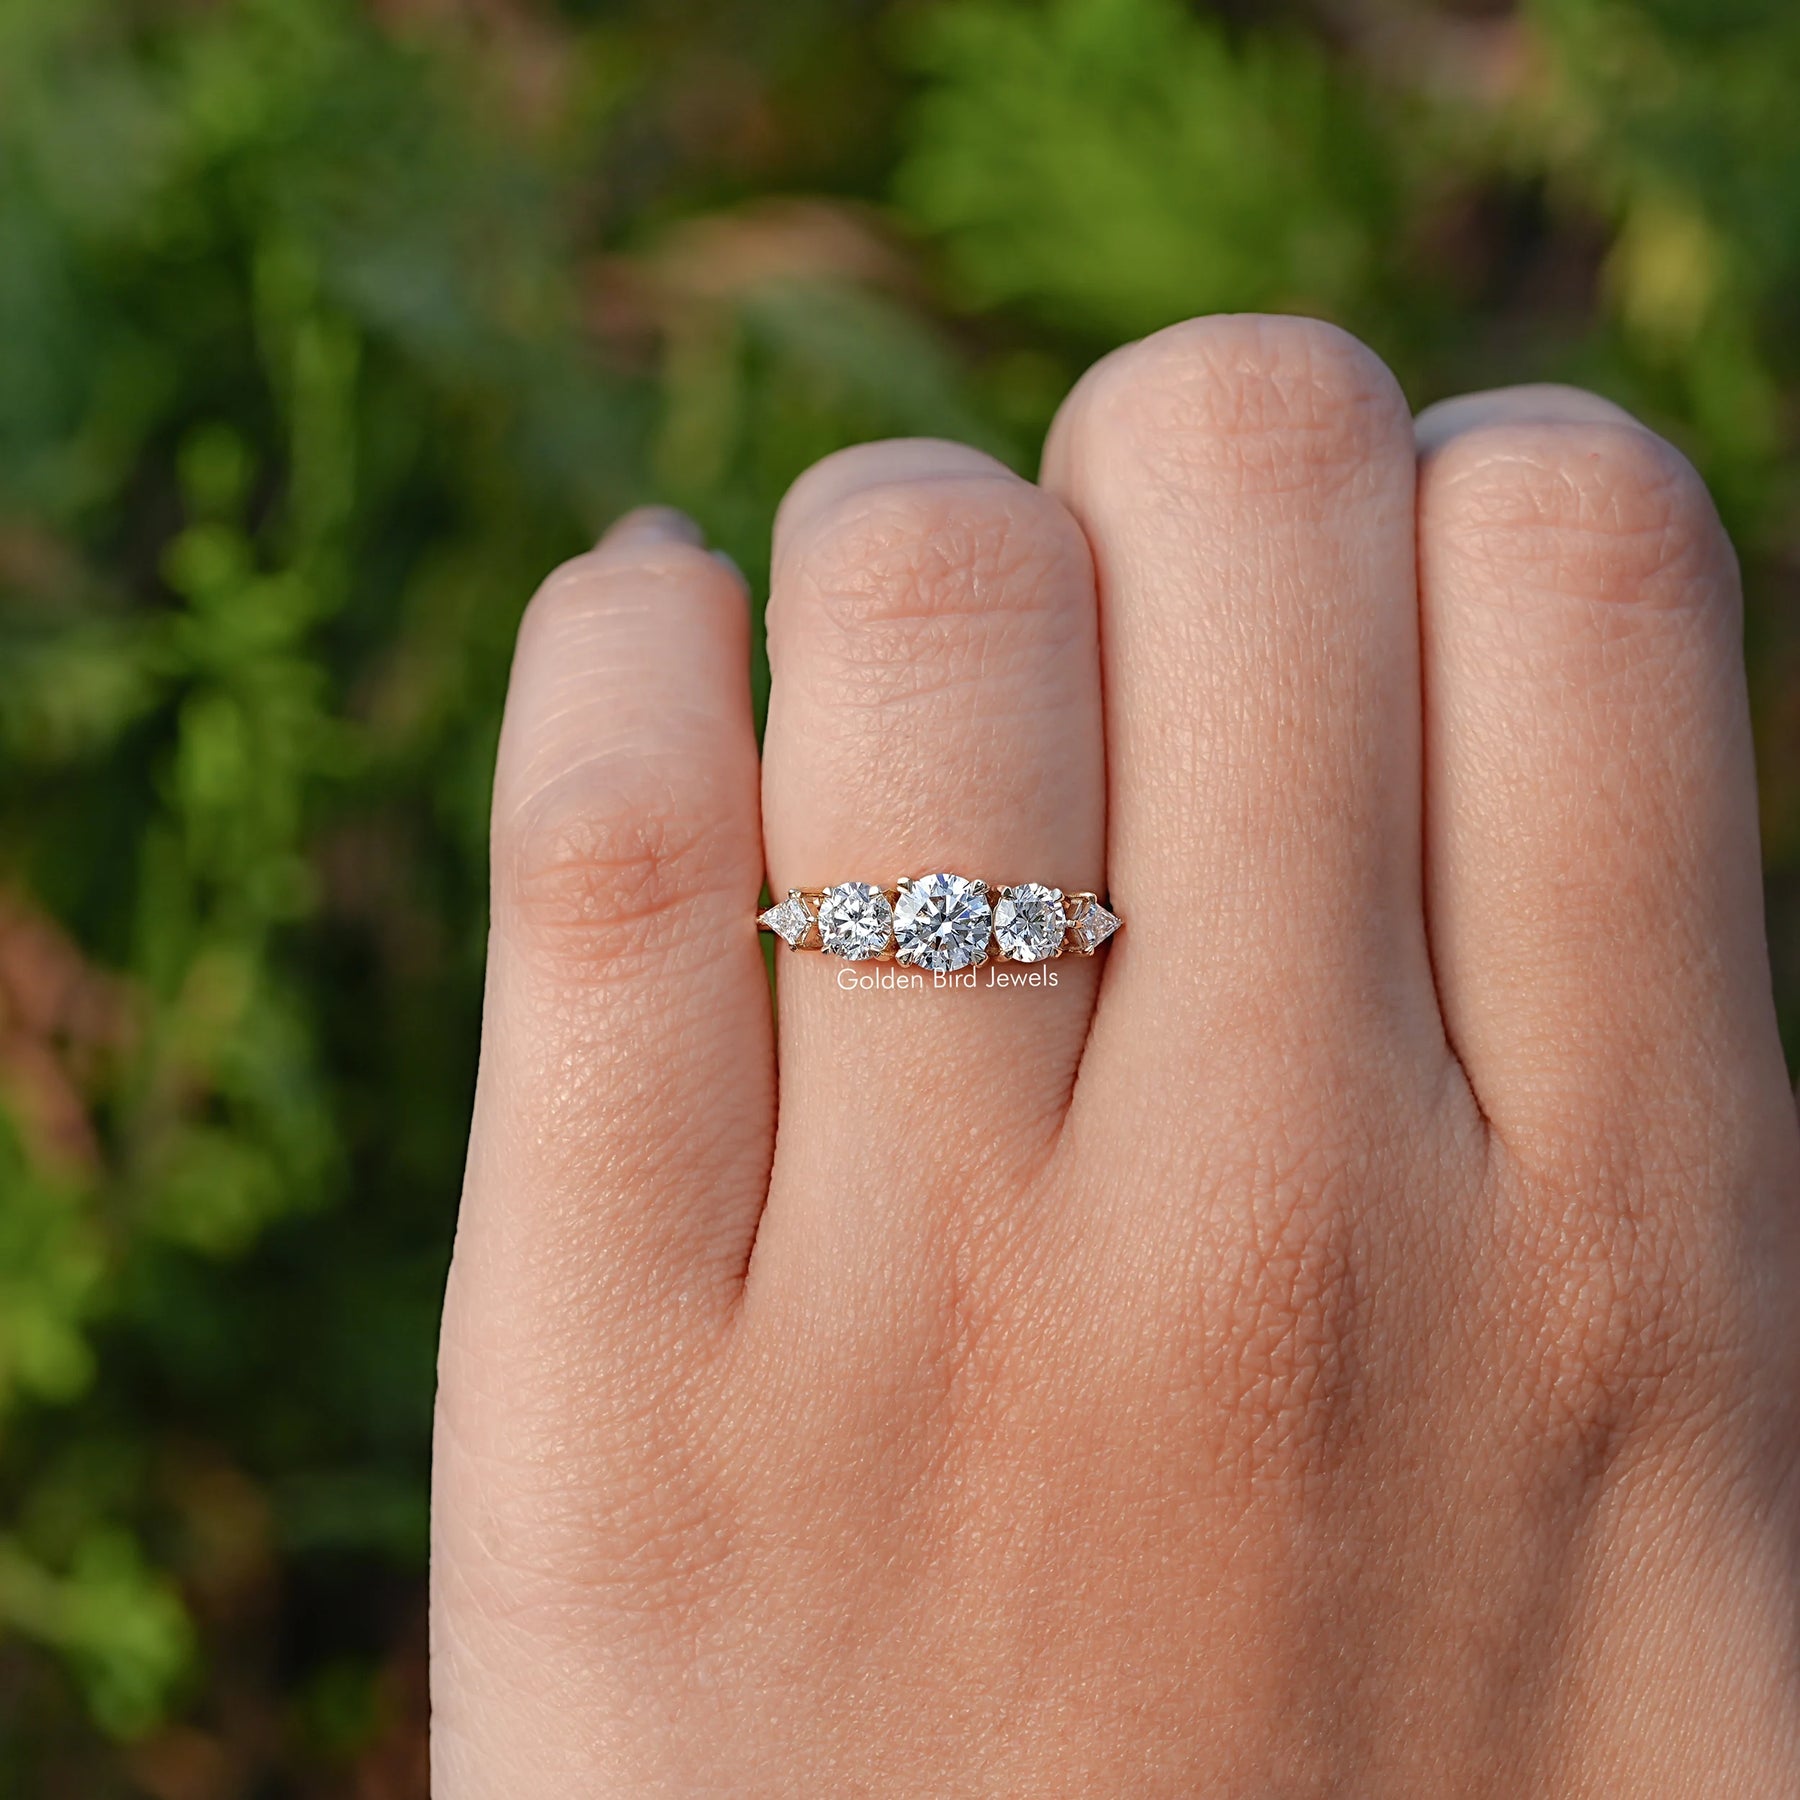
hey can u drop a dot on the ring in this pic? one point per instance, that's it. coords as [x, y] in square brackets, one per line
[941, 922]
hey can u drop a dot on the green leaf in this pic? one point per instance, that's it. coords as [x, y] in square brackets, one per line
[1119, 164]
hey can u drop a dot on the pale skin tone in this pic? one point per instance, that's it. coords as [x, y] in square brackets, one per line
[1342, 1339]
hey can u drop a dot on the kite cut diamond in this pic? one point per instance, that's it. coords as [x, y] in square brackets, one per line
[789, 919]
[1029, 923]
[1091, 925]
[942, 922]
[856, 920]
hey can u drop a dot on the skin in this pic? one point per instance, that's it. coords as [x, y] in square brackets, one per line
[1338, 1341]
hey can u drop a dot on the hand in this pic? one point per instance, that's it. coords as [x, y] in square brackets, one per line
[1340, 1339]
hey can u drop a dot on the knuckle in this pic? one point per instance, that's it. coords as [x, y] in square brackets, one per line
[837, 480]
[1596, 510]
[1620, 1315]
[1263, 404]
[606, 862]
[1288, 1314]
[616, 807]
[919, 586]
[1290, 1373]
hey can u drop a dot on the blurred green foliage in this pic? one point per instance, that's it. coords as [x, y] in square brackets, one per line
[326, 327]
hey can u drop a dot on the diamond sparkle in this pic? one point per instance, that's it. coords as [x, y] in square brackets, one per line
[855, 921]
[789, 919]
[942, 922]
[1028, 922]
[1091, 925]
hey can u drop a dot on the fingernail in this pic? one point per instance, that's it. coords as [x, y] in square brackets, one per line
[731, 563]
[653, 525]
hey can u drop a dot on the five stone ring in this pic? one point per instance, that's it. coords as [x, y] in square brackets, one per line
[941, 922]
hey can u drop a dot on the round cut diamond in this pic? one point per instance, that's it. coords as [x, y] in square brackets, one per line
[1028, 922]
[942, 922]
[855, 920]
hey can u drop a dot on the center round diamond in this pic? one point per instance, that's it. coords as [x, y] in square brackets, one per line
[942, 922]
[855, 920]
[1028, 922]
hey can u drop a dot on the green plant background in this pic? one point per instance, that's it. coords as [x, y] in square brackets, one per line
[328, 326]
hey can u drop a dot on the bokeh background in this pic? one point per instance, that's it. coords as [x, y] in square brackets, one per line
[328, 326]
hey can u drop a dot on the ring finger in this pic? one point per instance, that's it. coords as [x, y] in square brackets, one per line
[934, 707]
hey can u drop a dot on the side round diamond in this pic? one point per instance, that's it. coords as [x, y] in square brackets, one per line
[1029, 923]
[855, 921]
[942, 922]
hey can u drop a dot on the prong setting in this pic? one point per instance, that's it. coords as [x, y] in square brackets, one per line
[791, 920]
[856, 921]
[1090, 924]
[942, 923]
[1029, 922]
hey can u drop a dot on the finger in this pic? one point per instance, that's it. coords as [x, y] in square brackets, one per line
[623, 1118]
[624, 1111]
[934, 706]
[1594, 874]
[1247, 485]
